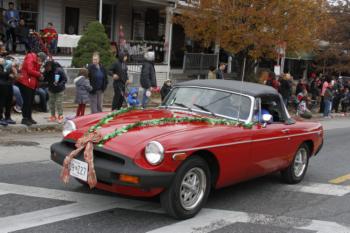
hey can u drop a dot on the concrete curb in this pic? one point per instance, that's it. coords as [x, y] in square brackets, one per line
[19, 128]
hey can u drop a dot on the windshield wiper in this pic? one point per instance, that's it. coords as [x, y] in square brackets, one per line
[205, 109]
[183, 106]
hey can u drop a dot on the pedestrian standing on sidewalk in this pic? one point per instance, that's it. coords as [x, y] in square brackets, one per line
[119, 73]
[82, 90]
[285, 88]
[220, 73]
[98, 81]
[345, 100]
[11, 19]
[328, 98]
[6, 93]
[28, 82]
[324, 87]
[166, 88]
[148, 77]
[56, 79]
[211, 73]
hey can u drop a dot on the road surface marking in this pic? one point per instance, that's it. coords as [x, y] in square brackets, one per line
[340, 179]
[318, 188]
[206, 221]
[84, 204]
[3, 192]
[211, 219]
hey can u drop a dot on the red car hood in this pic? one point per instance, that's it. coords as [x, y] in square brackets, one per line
[136, 139]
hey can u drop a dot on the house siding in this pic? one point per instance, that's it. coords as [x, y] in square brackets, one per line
[124, 17]
[88, 11]
[52, 11]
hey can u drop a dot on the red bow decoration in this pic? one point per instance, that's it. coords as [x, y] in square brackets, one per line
[86, 142]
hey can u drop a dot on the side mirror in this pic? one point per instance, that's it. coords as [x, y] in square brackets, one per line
[266, 119]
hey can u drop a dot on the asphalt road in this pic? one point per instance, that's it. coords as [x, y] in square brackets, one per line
[33, 199]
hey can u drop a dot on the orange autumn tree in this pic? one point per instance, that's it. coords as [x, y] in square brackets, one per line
[254, 28]
[333, 57]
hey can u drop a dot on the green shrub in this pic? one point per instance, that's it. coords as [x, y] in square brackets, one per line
[93, 40]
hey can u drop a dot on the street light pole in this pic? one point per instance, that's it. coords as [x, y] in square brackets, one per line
[100, 11]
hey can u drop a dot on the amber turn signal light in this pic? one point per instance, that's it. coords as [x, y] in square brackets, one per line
[129, 179]
[179, 156]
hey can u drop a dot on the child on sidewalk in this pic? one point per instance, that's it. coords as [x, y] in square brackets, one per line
[133, 98]
[303, 111]
[82, 90]
[56, 78]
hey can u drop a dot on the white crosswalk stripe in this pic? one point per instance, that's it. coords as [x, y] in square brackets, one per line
[209, 219]
[206, 221]
[318, 188]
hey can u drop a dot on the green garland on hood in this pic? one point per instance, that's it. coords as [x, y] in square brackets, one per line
[173, 120]
[110, 117]
[157, 122]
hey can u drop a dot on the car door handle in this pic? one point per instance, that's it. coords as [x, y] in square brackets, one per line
[285, 131]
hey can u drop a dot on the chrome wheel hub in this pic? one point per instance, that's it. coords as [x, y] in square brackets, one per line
[300, 162]
[193, 188]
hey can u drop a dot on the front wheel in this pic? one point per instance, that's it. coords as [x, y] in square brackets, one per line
[189, 190]
[297, 170]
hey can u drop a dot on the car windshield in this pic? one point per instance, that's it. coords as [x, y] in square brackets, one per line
[214, 102]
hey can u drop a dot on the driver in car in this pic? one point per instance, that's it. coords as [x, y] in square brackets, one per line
[258, 117]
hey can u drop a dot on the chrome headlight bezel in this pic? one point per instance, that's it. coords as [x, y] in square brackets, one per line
[154, 153]
[68, 127]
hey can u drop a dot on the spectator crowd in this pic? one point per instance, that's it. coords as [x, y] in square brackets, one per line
[325, 94]
[41, 80]
[18, 33]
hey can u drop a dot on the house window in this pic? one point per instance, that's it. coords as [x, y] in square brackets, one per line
[29, 11]
[108, 19]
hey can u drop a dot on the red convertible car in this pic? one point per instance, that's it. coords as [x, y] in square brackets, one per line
[206, 134]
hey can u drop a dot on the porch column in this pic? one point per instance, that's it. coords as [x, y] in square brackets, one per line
[168, 36]
[100, 11]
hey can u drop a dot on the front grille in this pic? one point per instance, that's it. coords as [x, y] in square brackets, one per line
[98, 153]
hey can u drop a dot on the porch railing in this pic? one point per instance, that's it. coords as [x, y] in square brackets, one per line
[199, 63]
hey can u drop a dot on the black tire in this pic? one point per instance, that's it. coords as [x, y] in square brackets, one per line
[289, 174]
[170, 198]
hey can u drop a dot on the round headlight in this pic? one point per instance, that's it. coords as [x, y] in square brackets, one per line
[68, 127]
[154, 153]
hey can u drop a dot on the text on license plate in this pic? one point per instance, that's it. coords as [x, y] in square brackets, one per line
[79, 169]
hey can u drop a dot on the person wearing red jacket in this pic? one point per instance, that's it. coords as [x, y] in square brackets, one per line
[50, 36]
[28, 82]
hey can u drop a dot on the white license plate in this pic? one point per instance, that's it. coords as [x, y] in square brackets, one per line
[79, 169]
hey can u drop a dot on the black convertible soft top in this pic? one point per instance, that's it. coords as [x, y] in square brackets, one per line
[248, 88]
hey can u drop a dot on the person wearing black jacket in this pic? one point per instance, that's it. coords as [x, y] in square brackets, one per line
[22, 33]
[119, 72]
[166, 88]
[98, 81]
[285, 88]
[148, 77]
[56, 78]
[6, 95]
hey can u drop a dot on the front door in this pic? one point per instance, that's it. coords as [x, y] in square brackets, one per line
[72, 21]
[271, 145]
